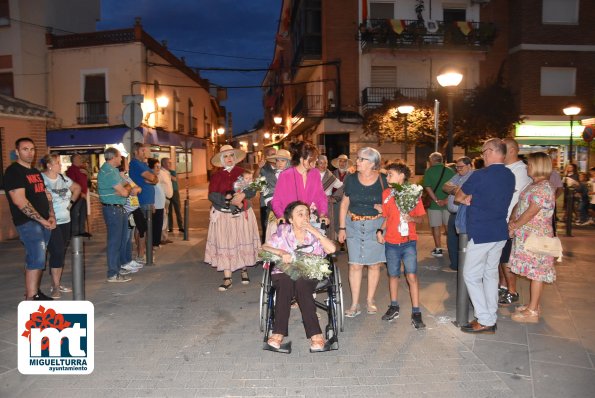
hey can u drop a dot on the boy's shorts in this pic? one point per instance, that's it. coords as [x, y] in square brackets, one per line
[397, 253]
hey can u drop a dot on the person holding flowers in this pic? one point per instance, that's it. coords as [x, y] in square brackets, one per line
[402, 209]
[298, 248]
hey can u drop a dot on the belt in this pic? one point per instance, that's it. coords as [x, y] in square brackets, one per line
[356, 217]
[110, 204]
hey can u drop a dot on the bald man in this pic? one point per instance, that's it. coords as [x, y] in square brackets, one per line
[507, 293]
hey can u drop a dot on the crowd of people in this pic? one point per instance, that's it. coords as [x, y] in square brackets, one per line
[498, 200]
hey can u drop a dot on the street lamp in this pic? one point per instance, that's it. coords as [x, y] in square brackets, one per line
[572, 111]
[221, 130]
[267, 135]
[450, 78]
[277, 120]
[405, 110]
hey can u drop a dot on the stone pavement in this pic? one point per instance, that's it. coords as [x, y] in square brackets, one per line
[169, 332]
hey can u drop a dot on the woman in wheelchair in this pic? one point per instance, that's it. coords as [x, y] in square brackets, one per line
[297, 235]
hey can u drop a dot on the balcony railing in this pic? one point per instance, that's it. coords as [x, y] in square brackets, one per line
[309, 106]
[407, 33]
[92, 112]
[373, 97]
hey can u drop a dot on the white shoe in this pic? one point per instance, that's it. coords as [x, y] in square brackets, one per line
[136, 264]
[130, 267]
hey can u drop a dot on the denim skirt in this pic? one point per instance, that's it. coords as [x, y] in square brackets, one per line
[362, 245]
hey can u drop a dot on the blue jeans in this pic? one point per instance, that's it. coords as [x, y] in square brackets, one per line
[116, 221]
[35, 238]
[395, 253]
[452, 242]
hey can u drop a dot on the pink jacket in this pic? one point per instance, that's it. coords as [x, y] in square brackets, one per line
[290, 187]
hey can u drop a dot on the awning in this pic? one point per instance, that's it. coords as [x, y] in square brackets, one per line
[102, 136]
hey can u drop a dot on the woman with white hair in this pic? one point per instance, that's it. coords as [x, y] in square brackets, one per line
[232, 242]
[360, 219]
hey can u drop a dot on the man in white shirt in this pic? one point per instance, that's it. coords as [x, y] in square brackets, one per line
[168, 189]
[507, 290]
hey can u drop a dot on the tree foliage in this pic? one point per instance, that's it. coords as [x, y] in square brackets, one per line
[484, 112]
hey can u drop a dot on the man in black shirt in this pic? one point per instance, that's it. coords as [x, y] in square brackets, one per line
[32, 213]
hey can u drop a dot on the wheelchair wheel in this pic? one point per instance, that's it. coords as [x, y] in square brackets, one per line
[264, 294]
[338, 299]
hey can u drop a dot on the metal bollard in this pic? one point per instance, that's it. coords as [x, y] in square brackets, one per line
[149, 236]
[462, 294]
[569, 208]
[78, 269]
[186, 218]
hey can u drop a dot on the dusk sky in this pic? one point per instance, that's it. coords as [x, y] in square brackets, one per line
[242, 31]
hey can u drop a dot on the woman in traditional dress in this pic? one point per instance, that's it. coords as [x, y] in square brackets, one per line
[330, 183]
[232, 242]
[532, 215]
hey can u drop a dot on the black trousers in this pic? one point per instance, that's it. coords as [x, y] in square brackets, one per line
[78, 217]
[264, 216]
[157, 226]
[302, 290]
[174, 204]
[59, 240]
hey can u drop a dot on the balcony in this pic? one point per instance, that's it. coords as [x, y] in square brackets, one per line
[374, 97]
[309, 106]
[414, 34]
[92, 112]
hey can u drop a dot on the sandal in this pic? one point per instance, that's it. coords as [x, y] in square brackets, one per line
[245, 278]
[353, 311]
[524, 307]
[225, 285]
[275, 341]
[317, 343]
[372, 309]
[526, 316]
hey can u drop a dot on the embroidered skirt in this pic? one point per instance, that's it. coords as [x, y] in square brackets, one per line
[233, 242]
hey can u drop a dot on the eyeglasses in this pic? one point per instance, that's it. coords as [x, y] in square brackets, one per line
[461, 167]
[485, 150]
[362, 159]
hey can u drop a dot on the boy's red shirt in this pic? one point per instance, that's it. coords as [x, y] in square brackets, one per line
[391, 212]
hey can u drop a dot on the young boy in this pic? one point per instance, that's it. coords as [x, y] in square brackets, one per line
[400, 244]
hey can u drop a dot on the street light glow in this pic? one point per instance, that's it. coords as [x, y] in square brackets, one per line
[221, 131]
[255, 144]
[267, 135]
[162, 101]
[571, 110]
[277, 120]
[450, 78]
[405, 109]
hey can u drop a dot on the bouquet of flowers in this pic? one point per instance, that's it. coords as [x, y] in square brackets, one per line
[307, 266]
[260, 184]
[242, 184]
[406, 197]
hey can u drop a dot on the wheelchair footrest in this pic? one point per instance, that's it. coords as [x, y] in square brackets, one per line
[284, 349]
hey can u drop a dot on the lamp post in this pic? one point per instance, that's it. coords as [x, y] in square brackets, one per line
[572, 111]
[450, 78]
[405, 110]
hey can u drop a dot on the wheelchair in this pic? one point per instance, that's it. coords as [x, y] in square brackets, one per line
[329, 297]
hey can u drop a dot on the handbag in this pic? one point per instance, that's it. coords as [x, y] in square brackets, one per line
[425, 197]
[544, 246]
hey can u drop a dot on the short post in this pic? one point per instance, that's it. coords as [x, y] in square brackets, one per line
[186, 218]
[462, 294]
[149, 236]
[78, 269]
[569, 208]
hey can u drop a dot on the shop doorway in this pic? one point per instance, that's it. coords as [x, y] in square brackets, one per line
[335, 145]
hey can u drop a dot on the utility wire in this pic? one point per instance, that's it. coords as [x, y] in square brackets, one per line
[198, 68]
[219, 55]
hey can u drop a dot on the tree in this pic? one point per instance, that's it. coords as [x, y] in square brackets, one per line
[484, 112]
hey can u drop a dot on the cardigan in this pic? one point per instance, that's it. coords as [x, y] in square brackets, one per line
[290, 187]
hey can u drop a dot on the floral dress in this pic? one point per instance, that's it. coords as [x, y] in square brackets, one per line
[523, 262]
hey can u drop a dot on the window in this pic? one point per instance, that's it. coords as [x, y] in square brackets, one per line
[382, 10]
[454, 15]
[6, 84]
[560, 12]
[384, 76]
[4, 13]
[93, 109]
[558, 81]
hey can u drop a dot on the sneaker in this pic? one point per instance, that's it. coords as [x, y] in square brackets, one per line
[139, 260]
[55, 293]
[129, 267]
[41, 297]
[119, 278]
[416, 320]
[125, 271]
[64, 289]
[437, 252]
[391, 313]
[508, 298]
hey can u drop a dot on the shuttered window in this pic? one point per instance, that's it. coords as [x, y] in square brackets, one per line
[384, 76]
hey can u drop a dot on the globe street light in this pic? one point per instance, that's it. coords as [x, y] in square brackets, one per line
[450, 78]
[277, 120]
[405, 110]
[571, 110]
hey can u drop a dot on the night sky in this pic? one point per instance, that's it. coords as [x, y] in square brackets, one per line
[242, 30]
